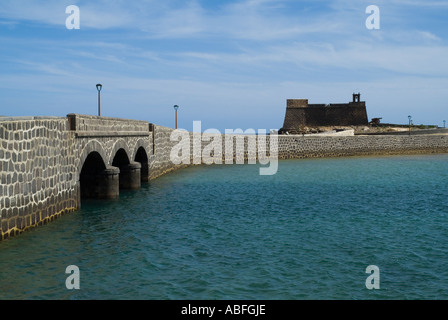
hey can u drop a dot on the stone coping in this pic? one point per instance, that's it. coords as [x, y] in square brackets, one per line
[83, 116]
[92, 134]
[434, 131]
[26, 118]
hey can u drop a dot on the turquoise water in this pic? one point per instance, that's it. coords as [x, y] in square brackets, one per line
[224, 232]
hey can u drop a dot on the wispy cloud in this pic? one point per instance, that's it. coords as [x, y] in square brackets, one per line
[429, 36]
[235, 55]
[423, 3]
[100, 15]
[249, 19]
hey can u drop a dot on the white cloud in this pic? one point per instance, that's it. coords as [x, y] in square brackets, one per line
[51, 12]
[250, 19]
[231, 57]
[101, 14]
[426, 35]
[423, 3]
[371, 57]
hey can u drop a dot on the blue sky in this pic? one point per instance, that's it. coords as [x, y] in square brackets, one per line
[230, 64]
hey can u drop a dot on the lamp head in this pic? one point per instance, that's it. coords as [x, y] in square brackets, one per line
[176, 107]
[99, 86]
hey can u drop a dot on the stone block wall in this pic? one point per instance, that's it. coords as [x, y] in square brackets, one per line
[297, 146]
[159, 161]
[37, 173]
[245, 148]
[308, 146]
[105, 124]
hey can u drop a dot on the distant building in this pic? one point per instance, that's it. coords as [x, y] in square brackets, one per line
[300, 115]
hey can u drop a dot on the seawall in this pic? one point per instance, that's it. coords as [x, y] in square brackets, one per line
[41, 158]
[296, 147]
[159, 161]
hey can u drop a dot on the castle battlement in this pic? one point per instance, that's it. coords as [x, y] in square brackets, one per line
[301, 114]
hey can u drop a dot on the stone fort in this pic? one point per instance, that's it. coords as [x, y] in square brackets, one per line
[301, 115]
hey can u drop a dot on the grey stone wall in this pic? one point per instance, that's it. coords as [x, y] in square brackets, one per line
[37, 173]
[105, 124]
[296, 146]
[159, 161]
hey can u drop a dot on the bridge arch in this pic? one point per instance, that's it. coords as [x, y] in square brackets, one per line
[97, 179]
[92, 146]
[119, 144]
[141, 155]
[130, 176]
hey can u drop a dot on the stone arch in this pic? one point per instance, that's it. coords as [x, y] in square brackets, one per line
[130, 177]
[96, 179]
[141, 143]
[141, 155]
[119, 144]
[92, 146]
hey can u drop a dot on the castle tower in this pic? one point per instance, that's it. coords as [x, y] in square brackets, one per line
[300, 114]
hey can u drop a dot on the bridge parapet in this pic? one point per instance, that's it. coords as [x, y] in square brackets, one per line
[87, 126]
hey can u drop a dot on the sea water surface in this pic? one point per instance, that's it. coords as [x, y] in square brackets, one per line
[225, 232]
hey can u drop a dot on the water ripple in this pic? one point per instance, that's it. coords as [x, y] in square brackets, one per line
[224, 232]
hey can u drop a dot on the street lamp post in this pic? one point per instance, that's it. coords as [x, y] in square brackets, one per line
[175, 108]
[409, 117]
[99, 86]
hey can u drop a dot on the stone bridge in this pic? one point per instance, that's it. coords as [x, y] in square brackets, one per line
[48, 164]
[113, 154]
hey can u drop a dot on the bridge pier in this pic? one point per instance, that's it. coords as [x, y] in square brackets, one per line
[144, 172]
[130, 176]
[101, 185]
